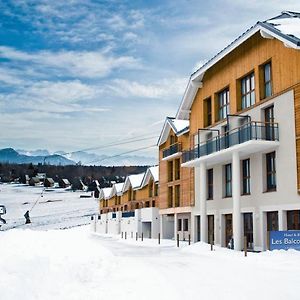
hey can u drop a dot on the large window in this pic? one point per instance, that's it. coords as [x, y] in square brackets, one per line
[210, 184]
[247, 91]
[170, 196]
[207, 112]
[177, 169]
[246, 176]
[269, 119]
[170, 170]
[267, 80]
[293, 220]
[223, 104]
[271, 171]
[228, 180]
[185, 224]
[177, 195]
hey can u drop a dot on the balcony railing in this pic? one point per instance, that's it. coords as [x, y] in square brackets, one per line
[250, 131]
[173, 149]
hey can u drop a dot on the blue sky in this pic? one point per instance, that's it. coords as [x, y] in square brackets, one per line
[79, 74]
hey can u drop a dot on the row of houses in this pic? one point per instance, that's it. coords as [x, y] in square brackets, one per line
[229, 161]
[42, 180]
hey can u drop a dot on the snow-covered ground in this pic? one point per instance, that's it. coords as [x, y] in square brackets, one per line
[75, 264]
[56, 209]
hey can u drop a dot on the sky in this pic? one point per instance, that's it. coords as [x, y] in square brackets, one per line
[80, 73]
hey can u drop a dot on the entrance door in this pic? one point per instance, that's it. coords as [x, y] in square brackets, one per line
[248, 229]
[228, 229]
[272, 221]
[211, 228]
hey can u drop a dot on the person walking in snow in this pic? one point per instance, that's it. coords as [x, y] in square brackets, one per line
[27, 217]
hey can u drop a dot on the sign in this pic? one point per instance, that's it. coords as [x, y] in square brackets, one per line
[285, 240]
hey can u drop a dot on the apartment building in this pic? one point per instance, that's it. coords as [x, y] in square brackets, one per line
[243, 109]
[130, 207]
[176, 188]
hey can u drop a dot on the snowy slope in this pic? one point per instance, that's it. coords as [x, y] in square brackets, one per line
[57, 208]
[75, 265]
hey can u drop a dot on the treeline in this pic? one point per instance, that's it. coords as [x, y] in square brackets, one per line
[105, 175]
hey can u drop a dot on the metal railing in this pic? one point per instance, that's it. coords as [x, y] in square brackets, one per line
[175, 148]
[249, 131]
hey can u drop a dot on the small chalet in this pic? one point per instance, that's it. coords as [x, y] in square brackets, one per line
[34, 181]
[64, 183]
[49, 182]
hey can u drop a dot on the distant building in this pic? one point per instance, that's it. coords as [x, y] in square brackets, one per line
[41, 176]
[49, 182]
[34, 181]
[64, 183]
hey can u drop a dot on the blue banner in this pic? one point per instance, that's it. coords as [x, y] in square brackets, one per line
[285, 240]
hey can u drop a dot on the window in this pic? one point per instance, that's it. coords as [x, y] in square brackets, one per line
[177, 169]
[173, 139]
[150, 189]
[248, 91]
[293, 220]
[207, 112]
[133, 195]
[267, 80]
[223, 104]
[246, 176]
[170, 170]
[170, 196]
[179, 225]
[185, 224]
[228, 180]
[210, 184]
[271, 171]
[156, 189]
[177, 195]
[269, 120]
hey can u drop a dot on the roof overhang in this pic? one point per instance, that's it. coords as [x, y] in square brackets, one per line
[195, 82]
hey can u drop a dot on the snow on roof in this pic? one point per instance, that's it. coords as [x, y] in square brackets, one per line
[284, 27]
[105, 193]
[134, 180]
[151, 172]
[177, 125]
[117, 189]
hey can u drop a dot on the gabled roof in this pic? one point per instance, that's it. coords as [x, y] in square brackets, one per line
[178, 126]
[285, 28]
[105, 193]
[50, 180]
[152, 172]
[117, 189]
[134, 181]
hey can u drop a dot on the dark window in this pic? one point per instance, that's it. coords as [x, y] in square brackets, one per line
[248, 91]
[170, 196]
[210, 184]
[150, 187]
[177, 195]
[185, 224]
[246, 176]
[179, 226]
[267, 80]
[228, 180]
[156, 189]
[133, 195]
[293, 220]
[223, 104]
[271, 171]
[272, 221]
[207, 112]
[177, 169]
[170, 170]
[269, 120]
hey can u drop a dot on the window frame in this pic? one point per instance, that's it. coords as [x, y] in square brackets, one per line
[210, 184]
[246, 178]
[266, 82]
[245, 92]
[227, 181]
[223, 101]
[271, 172]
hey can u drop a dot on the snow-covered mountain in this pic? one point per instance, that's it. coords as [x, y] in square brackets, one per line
[80, 157]
[9, 155]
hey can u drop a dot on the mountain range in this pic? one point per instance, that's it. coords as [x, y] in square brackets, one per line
[21, 156]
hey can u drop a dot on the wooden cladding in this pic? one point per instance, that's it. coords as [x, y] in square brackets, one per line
[297, 130]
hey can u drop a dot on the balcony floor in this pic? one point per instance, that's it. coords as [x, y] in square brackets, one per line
[245, 149]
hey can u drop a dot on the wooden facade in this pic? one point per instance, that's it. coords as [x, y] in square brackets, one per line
[176, 188]
[227, 73]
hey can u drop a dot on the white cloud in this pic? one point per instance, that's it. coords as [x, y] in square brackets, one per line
[165, 88]
[90, 64]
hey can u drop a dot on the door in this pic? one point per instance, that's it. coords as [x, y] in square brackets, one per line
[269, 119]
[198, 228]
[228, 230]
[272, 221]
[211, 228]
[248, 229]
[293, 220]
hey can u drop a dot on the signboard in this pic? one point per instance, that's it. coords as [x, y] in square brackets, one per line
[285, 240]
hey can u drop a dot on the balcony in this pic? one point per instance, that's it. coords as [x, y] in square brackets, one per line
[250, 138]
[172, 151]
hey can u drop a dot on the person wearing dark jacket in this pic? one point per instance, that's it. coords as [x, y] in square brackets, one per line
[27, 217]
